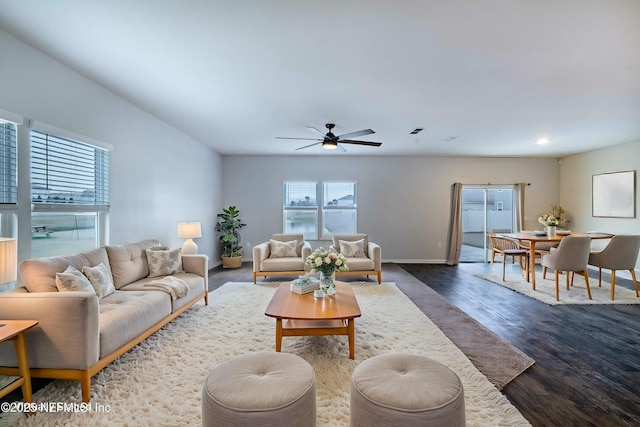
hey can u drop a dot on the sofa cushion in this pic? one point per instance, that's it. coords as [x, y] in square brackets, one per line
[279, 249]
[39, 274]
[129, 261]
[282, 264]
[72, 280]
[164, 263]
[360, 264]
[352, 249]
[100, 279]
[125, 315]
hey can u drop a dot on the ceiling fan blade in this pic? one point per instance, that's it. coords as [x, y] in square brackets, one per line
[341, 148]
[315, 130]
[307, 139]
[356, 134]
[307, 146]
[372, 144]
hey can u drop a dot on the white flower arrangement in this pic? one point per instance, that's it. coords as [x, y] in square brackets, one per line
[326, 262]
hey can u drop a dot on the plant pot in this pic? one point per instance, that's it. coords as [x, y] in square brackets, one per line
[231, 262]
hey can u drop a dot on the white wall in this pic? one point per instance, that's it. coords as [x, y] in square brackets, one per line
[575, 188]
[403, 202]
[159, 176]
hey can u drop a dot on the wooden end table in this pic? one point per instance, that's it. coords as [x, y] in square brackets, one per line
[13, 330]
[303, 315]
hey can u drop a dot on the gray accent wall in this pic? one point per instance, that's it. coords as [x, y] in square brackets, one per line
[403, 202]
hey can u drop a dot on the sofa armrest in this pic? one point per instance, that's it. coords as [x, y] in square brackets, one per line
[375, 253]
[67, 335]
[306, 250]
[260, 253]
[197, 264]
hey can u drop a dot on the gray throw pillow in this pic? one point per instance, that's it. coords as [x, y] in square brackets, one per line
[100, 279]
[72, 280]
[280, 249]
[164, 263]
[352, 249]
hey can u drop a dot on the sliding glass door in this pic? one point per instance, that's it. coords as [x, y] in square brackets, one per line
[485, 209]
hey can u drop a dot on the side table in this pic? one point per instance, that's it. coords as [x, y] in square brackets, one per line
[13, 330]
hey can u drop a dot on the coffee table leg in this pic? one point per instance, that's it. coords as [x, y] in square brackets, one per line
[278, 334]
[351, 328]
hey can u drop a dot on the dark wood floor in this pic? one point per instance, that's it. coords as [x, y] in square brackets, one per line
[587, 370]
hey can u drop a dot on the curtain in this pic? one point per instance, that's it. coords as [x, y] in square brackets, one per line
[518, 206]
[455, 231]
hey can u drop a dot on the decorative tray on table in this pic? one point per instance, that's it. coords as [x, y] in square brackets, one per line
[538, 233]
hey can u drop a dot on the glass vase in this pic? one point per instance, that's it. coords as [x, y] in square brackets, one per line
[327, 283]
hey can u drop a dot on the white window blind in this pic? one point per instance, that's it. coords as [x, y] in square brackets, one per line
[8, 161]
[68, 175]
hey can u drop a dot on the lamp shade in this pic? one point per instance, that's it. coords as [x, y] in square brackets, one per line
[8, 260]
[189, 230]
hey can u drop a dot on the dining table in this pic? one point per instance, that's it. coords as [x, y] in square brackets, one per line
[534, 237]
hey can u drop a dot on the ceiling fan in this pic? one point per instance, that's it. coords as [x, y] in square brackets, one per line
[330, 141]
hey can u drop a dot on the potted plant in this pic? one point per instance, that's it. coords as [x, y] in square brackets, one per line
[228, 225]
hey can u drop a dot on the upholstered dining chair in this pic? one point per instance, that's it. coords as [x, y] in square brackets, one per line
[506, 247]
[620, 254]
[571, 255]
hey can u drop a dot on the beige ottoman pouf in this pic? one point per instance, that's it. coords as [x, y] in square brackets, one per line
[405, 390]
[260, 389]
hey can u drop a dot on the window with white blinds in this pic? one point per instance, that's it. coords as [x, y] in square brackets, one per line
[8, 161]
[68, 175]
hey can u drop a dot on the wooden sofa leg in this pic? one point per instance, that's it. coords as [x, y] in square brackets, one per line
[206, 298]
[85, 383]
[379, 277]
[255, 277]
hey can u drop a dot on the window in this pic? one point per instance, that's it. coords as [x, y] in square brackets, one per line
[339, 208]
[8, 156]
[337, 202]
[301, 208]
[69, 194]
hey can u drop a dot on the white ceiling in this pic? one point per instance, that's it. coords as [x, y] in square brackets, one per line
[495, 74]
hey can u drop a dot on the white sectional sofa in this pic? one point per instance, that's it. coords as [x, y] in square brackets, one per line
[79, 333]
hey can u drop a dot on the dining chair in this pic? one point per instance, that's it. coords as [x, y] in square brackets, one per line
[508, 247]
[620, 254]
[571, 255]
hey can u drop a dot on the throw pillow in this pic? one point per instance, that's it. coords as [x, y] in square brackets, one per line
[352, 249]
[282, 249]
[72, 280]
[100, 279]
[164, 263]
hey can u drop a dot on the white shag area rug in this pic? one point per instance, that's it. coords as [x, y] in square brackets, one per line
[577, 294]
[160, 381]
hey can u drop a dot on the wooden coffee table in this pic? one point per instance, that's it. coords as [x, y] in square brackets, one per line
[13, 330]
[303, 315]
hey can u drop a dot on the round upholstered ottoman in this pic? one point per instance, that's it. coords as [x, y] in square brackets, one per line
[400, 389]
[260, 389]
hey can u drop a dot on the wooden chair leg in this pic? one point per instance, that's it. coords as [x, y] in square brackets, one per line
[493, 255]
[586, 281]
[568, 273]
[544, 272]
[255, 277]
[635, 283]
[379, 277]
[613, 284]
[556, 272]
[599, 277]
[504, 268]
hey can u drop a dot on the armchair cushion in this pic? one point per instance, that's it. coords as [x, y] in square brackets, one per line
[352, 249]
[299, 238]
[280, 249]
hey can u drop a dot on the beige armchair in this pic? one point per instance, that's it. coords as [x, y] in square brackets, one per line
[363, 256]
[620, 254]
[282, 255]
[572, 255]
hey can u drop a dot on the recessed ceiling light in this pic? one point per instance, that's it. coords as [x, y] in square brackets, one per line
[542, 141]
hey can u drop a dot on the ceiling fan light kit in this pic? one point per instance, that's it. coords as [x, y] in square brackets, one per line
[330, 141]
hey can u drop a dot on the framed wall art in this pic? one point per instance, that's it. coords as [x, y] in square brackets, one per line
[614, 195]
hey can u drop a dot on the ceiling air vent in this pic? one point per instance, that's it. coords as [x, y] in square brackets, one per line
[416, 131]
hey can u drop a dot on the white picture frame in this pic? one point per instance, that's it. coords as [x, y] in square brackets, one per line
[614, 195]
